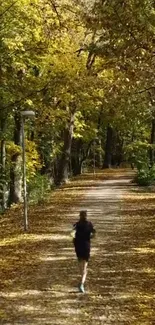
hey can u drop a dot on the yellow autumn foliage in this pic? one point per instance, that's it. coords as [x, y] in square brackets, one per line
[12, 149]
[33, 162]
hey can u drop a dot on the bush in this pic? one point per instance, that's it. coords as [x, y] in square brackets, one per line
[38, 188]
[137, 154]
[145, 176]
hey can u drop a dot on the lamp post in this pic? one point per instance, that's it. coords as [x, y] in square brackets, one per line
[24, 115]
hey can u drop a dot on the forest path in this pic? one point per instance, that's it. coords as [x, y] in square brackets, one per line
[118, 281]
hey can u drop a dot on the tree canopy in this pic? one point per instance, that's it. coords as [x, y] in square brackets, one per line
[87, 71]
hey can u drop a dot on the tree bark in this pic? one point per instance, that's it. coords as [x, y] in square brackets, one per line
[76, 159]
[108, 148]
[3, 176]
[117, 152]
[79, 155]
[3, 167]
[152, 141]
[98, 155]
[63, 166]
[15, 195]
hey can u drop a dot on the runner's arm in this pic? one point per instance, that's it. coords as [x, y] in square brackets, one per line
[93, 231]
[73, 232]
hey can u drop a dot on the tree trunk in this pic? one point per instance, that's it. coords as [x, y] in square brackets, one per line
[15, 195]
[152, 141]
[108, 148]
[3, 167]
[117, 156]
[80, 152]
[76, 166]
[76, 159]
[3, 175]
[63, 167]
[98, 155]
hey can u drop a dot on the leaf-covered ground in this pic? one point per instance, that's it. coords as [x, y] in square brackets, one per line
[39, 273]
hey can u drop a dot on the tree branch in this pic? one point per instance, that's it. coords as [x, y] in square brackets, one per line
[125, 26]
[8, 8]
[56, 11]
[23, 98]
[144, 90]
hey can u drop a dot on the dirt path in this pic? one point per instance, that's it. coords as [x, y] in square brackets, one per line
[117, 284]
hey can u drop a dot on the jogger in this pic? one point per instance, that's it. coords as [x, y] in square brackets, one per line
[84, 230]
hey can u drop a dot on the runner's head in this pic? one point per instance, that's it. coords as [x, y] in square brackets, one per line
[83, 215]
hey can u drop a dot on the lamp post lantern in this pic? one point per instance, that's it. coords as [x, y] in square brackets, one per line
[24, 115]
